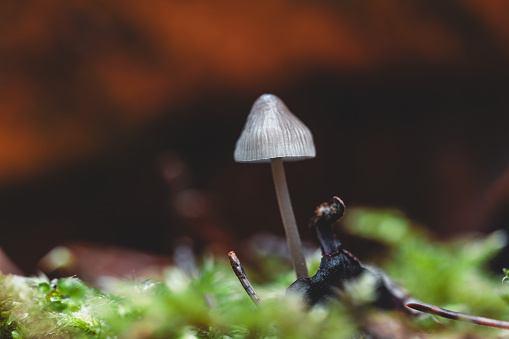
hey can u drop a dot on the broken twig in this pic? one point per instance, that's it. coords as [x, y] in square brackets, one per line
[239, 272]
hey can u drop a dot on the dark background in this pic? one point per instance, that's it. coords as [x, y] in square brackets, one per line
[118, 119]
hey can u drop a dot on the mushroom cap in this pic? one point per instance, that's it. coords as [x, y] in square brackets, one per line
[272, 131]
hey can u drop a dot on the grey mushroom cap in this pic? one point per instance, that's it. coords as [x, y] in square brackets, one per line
[272, 131]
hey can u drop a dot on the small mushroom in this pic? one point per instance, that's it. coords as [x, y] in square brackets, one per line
[273, 134]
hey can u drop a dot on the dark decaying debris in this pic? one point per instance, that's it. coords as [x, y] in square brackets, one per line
[339, 267]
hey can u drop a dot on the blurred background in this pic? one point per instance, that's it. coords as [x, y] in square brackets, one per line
[118, 119]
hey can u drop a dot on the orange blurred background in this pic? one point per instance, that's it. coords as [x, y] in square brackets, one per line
[118, 119]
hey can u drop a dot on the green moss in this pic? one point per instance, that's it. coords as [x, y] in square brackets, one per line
[451, 275]
[212, 303]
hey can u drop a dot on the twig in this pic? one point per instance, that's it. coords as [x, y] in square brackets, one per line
[442, 312]
[239, 272]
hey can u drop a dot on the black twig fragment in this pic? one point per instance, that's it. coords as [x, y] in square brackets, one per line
[338, 267]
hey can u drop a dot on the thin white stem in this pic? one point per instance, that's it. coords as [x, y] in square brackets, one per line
[289, 223]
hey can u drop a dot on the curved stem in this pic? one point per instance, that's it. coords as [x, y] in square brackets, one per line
[289, 223]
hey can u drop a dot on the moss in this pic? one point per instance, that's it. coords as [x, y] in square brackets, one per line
[212, 303]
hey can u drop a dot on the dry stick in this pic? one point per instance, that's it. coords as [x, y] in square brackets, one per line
[442, 312]
[289, 223]
[244, 281]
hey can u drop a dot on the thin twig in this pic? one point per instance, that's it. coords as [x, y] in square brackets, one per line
[239, 272]
[442, 312]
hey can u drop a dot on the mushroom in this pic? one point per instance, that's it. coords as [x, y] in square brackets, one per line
[273, 134]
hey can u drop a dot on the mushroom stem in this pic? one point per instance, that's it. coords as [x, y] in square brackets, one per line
[285, 207]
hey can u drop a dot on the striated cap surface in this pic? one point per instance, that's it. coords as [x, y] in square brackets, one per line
[272, 131]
